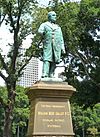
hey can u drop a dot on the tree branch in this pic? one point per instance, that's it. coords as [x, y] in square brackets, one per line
[23, 66]
[85, 68]
[16, 42]
[4, 64]
[10, 15]
[4, 78]
[18, 19]
[1, 20]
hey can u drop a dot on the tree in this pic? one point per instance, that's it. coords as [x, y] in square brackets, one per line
[3, 94]
[88, 54]
[20, 113]
[2, 11]
[17, 16]
[86, 121]
[80, 22]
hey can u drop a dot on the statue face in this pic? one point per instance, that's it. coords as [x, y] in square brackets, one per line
[52, 16]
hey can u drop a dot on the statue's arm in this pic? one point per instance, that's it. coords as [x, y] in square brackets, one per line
[41, 29]
[62, 41]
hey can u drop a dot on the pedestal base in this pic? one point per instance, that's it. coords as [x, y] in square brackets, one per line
[50, 113]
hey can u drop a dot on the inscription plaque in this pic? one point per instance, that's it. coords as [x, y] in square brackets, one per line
[52, 117]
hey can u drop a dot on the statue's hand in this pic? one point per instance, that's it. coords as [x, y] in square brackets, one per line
[63, 52]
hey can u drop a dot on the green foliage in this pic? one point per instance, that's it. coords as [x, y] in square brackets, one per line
[20, 112]
[67, 19]
[89, 14]
[3, 94]
[92, 131]
[87, 121]
[79, 23]
[1, 121]
[40, 17]
[88, 94]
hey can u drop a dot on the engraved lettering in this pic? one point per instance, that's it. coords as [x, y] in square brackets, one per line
[59, 120]
[53, 126]
[47, 120]
[52, 106]
[42, 113]
[59, 113]
[51, 113]
[56, 106]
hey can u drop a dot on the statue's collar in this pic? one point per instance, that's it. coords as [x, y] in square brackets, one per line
[52, 25]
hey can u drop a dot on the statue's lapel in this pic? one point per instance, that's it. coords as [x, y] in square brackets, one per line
[52, 26]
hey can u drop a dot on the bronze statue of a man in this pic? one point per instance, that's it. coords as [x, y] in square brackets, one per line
[53, 44]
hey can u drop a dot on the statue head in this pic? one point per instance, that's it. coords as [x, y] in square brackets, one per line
[52, 16]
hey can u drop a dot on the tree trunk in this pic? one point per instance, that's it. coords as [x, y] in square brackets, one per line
[7, 123]
[7, 132]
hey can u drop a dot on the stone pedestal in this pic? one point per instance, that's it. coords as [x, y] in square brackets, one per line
[50, 113]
